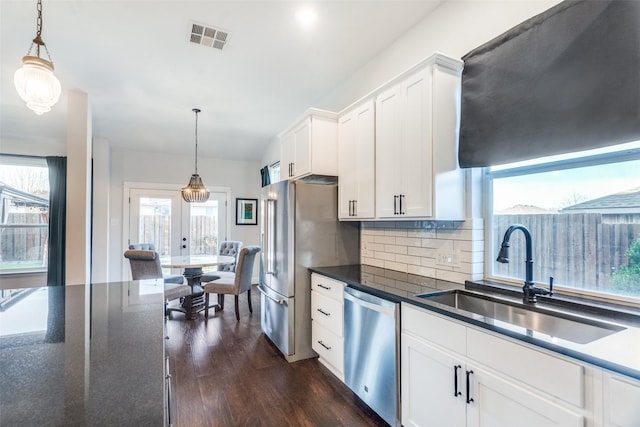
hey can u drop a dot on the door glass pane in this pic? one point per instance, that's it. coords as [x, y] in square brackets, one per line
[204, 228]
[154, 224]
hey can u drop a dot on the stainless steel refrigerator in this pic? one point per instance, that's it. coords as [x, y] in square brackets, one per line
[300, 229]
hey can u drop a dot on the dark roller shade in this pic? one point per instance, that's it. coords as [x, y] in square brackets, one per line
[563, 81]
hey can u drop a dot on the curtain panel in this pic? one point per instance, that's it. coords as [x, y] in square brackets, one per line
[563, 81]
[57, 220]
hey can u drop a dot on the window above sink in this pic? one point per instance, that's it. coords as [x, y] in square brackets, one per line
[583, 211]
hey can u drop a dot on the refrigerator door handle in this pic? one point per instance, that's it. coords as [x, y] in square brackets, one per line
[270, 237]
[266, 294]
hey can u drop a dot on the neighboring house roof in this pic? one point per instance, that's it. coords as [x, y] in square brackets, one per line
[624, 202]
[21, 198]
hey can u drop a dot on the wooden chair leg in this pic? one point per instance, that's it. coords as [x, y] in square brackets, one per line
[249, 296]
[237, 311]
[206, 305]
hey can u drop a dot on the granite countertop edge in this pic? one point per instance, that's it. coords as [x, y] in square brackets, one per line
[350, 274]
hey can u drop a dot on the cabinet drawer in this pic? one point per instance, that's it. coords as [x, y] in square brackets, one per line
[436, 329]
[326, 286]
[328, 345]
[328, 312]
[553, 375]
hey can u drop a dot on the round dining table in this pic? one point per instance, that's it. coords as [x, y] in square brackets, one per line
[193, 265]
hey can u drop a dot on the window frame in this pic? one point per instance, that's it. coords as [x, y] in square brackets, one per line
[540, 166]
[23, 161]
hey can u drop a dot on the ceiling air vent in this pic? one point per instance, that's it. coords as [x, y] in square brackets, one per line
[206, 35]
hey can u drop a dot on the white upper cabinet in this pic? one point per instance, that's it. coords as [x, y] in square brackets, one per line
[309, 147]
[356, 162]
[416, 144]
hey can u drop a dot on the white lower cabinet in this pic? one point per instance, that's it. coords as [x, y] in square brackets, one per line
[327, 322]
[441, 387]
[621, 401]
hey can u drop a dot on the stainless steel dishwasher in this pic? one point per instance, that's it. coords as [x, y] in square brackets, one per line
[371, 352]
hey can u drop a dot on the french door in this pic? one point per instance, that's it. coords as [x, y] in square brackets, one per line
[160, 216]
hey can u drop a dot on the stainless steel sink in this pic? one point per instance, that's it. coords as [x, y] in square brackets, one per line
[574, 328]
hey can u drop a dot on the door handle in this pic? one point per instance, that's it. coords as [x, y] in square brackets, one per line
[456, 393]
[469, 398]
[277, 301]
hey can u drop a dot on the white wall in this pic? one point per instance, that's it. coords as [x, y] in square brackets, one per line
[135, 166]
[454, 28]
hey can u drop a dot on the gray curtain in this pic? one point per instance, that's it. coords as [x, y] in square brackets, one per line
[563, 81]
[57, 220]
[264, 173]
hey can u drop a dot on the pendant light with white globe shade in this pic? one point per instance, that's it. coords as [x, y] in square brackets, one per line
[35, 82]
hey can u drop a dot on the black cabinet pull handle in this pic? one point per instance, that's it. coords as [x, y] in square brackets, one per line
[401, 210]
[355, 207]
[320, 285]
[323, 312]
[324, 345]
[469, 398]
[456, 393]
[395, 205]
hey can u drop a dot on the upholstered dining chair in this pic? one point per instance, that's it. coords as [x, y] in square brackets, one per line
[227, 248]
[145, 264]
[241, 282]
[170, 278]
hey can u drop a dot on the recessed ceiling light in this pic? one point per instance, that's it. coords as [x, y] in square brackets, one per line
[307, 16]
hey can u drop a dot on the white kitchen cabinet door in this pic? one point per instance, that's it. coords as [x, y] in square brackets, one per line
[388, 152]
[417, 146]
[287, 154]
[404, 145]
[302, 150]
[310, 146]
[417, 175]
[430, 394]
[356, 163]
[501, 403]
[621, 401]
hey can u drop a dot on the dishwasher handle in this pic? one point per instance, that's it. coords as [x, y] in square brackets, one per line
[370, 302]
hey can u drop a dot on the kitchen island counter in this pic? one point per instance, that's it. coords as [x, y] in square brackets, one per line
[83, 355]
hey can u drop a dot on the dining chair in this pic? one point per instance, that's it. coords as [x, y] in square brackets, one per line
[239, 283]
[227, 248]
[170, 278]
[145, 264]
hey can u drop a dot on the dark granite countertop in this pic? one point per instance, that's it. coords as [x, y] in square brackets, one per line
[619, 352]
[70, 357]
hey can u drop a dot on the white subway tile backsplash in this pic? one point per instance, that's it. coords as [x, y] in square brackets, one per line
[396, 249]
[422, 271]
[391, 265]
[387, 240]
[408, 241]
[413, 246]
[408, 259]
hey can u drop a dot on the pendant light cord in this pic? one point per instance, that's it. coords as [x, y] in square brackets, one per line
[196, 110]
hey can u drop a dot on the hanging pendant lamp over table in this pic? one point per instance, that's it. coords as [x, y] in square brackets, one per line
[195, 191]
[34, 81]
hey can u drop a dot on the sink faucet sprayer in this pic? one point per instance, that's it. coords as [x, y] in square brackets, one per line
[530, 289]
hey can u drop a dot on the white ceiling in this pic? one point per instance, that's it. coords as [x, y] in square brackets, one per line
[143, 76]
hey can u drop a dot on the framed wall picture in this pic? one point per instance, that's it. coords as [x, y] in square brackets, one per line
[246, 211]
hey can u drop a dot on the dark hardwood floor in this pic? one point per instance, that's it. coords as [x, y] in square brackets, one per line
[227, 373]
